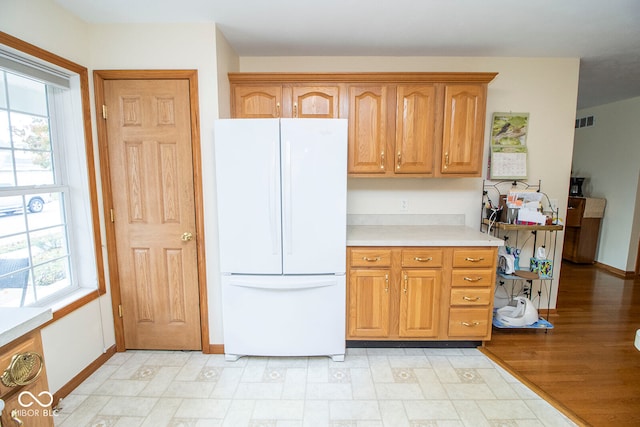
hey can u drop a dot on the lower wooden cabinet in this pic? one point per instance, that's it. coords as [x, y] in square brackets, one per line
[420, 293]
[29, 404]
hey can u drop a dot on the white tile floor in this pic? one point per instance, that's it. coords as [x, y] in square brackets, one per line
[372, 387]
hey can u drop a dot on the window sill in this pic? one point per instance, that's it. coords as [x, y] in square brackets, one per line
[71, 302]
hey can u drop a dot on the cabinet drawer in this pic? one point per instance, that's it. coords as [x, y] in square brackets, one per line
[370, 257]
[474, 258]
[29, 344]
[470, 296]
[422, 257]
[469, 322]
[575, 211]
[475, 277]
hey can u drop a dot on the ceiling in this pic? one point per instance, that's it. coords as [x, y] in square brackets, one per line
[605, 35]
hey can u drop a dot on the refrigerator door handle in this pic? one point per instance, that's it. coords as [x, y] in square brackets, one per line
[287, 199]
[273, 206]
[295, 286]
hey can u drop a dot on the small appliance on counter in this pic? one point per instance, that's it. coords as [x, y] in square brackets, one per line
[575, 189]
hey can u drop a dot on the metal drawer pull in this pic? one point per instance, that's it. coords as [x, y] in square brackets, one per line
[470, 325]
[466, 298]
[386, 283]
[24, 369]
[14, 417]
[474, 259]
[423, 259]
[371, 259]
[470, 279]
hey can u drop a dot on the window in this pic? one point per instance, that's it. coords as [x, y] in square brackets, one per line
[48, 246]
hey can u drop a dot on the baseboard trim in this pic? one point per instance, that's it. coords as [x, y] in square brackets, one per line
[615, 271]
[83, 375]
[216, 349]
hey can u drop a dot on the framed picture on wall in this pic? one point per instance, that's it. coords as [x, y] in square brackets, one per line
[509, 129]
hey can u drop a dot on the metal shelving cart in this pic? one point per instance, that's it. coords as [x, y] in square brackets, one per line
[492, 222]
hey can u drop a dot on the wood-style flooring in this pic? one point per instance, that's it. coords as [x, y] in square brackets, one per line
[587, 365]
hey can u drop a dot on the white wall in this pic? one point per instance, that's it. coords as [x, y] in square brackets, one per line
[76, 340]
[546, 88]
[608, 154]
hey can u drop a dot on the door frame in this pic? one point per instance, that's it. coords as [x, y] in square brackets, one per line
[99, 77]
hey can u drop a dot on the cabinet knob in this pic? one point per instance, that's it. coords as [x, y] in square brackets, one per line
[423, 259]
[374, 259]
[473, 279]
[386, 283]
[382, 160]
[466, 298]
[474, 259]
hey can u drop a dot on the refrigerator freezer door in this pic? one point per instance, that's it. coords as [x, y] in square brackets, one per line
[248, 183]
[284, 316]
[314, 195]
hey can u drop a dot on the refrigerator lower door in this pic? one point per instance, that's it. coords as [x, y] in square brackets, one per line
[284, 316]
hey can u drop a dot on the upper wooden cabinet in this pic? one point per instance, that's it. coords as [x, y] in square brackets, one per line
[273, 101]
[368, 130]
[315, 102]
[257, 102]
[415, 129]
[400, 124]
[463, 129]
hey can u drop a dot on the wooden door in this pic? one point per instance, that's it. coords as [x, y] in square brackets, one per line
[367, 129]
[315, 102]
[369, 303]
[151, 173]
[257, 102]
[415, 127]
[463, 130]
[419, 303]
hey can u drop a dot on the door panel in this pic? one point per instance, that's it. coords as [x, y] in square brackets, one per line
[463, 133]
[367, 129]
[415, 129]
[151, 172]
[369, 303]
[314, 194]
[248, 182]
[419, 303]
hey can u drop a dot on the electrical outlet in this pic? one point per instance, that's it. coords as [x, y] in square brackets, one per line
[553, 203]
[404, 205]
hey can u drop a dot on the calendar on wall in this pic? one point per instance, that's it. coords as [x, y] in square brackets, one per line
[508, 163]
[508, 156]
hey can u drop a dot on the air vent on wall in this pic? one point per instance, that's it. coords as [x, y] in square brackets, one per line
[584, 122]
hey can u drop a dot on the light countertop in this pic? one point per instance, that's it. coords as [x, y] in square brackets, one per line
[418, 235]
[15, 322]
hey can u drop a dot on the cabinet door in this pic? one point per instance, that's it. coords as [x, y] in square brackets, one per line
[315, 102]
[415, 123]
[369, 303]
[419, 303]
[367, 129]
[257, 102]
[463, 130]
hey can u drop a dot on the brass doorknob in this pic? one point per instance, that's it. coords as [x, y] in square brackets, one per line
[186, 236]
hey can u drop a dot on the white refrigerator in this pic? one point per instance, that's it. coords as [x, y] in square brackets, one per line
[281, 195]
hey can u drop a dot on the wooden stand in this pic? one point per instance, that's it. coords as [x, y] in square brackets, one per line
[584, 216]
